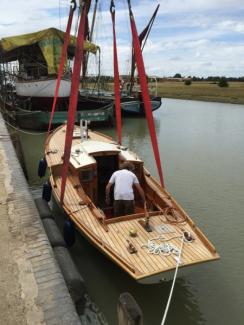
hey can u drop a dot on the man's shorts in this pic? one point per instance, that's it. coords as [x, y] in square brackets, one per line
[123, 207]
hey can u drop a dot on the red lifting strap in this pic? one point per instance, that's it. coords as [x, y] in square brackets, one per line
[75, 83]
[145, 94]
[61, 66]
[116, 78]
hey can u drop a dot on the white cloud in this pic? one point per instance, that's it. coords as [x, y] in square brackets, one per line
[203, 37]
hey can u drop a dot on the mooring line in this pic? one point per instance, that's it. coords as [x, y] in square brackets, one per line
[173, 283]
[22, 131]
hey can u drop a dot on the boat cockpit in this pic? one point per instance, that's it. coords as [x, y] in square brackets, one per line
[94, 162]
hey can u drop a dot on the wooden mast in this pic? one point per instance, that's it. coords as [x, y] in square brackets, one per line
[86, 58]
[144, 35]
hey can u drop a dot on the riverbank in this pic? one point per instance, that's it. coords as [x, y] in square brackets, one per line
[204, 91]
[197, 90]
[32, 288]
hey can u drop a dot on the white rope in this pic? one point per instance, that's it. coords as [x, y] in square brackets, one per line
[173, 283]
[165, 248]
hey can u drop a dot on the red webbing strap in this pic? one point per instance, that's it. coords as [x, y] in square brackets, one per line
[61, 65]
[116, 78]
[145, 94]
[75, 82]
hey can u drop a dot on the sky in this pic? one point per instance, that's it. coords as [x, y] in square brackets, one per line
[191, 37]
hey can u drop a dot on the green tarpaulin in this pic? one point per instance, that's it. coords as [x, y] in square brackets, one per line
[49, 41]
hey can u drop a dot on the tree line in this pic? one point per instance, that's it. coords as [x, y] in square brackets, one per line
[209, 78]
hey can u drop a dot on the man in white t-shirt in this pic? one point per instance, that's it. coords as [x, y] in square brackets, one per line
[123, 181]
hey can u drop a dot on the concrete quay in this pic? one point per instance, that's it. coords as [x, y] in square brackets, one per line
[32, 288]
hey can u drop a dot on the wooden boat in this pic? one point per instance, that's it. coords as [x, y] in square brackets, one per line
[130, 94]
[42, 88]
[33, 115]
[131, 105]
[38, 58]
[29, 67]
[125, 240]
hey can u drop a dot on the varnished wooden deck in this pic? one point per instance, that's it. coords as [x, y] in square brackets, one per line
[112, 239]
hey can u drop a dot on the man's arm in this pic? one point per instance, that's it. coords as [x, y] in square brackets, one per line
[141, 192]
[108, 187]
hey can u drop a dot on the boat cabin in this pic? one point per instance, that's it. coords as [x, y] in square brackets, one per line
[93, 162]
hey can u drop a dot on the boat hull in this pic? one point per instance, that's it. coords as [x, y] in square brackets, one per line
[136, 108]
[130, 105]
[42, 88]
[35, 114]
[38, 120]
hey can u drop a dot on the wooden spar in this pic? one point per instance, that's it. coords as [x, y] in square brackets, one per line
[93, 20]
[116, 77]
[144, 35]
[86, 58]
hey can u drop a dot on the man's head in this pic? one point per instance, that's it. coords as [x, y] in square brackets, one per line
[127, 165]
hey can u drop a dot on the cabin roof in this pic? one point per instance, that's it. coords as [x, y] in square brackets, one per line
[81, 159]
[130, 156]
[81, 154]
[92, 147]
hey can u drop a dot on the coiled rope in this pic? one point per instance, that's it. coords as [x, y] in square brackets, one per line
[165, 248]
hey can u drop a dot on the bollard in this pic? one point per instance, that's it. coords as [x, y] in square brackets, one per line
[129, 312]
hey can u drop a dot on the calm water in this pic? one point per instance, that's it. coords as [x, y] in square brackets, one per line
[202, 152]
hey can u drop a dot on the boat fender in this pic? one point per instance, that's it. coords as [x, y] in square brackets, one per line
[47, 191]
[53, 233]
[43, 208]
[72, 277]
[42, 167]
[69, 233]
